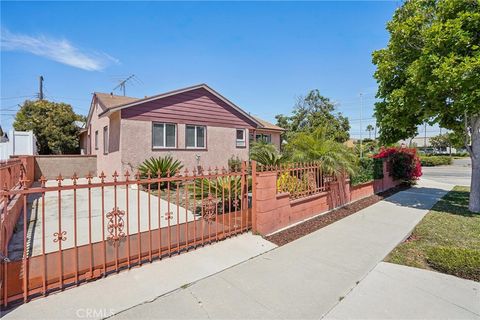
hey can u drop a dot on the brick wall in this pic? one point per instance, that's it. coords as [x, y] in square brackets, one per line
[275, 211]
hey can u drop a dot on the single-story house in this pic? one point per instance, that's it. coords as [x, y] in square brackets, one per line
[195, 125]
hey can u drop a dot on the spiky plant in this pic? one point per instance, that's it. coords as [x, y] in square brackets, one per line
[159, 166]
[225, 189]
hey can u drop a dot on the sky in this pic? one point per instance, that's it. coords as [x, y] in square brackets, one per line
[260, 55]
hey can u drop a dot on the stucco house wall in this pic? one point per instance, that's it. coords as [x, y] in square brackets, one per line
[110, 162]
[136, 146]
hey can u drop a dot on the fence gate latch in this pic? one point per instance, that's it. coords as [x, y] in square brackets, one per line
[4, 258]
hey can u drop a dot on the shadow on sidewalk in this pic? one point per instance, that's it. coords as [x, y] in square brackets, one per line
[417, 197]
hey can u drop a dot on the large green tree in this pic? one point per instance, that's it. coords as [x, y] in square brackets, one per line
[430, 72]
[314, 111]
[53, 125]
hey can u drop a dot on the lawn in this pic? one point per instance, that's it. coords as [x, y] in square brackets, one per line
[446, 240]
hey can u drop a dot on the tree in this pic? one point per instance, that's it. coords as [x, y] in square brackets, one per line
[369, 129]
[315, 111]
[53, 125]
[335, 157]
[430, 72]
[441, 141]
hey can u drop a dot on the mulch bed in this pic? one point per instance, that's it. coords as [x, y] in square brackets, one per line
[309, 226]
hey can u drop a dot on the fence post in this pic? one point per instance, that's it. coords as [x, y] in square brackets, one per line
[254, 196]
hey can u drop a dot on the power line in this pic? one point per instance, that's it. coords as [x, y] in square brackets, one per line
[18, 97]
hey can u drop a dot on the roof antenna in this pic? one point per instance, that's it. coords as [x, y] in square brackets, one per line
[123, 83]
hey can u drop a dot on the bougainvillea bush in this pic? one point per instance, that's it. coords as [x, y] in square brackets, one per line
[404, 163]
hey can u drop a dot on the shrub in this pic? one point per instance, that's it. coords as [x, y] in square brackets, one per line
[234, 163]
[265, 154]
[404, 163]
[227, 188]
[431, 161]
[364, 172]
[162, 166]
[460, 262]
[377, 168]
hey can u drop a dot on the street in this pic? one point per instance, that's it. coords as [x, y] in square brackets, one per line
[459, 173]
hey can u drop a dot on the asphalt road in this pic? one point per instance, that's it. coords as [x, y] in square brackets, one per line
[459, 173]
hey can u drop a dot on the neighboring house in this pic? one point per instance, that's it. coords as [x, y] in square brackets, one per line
[17, 143]
[195, 125]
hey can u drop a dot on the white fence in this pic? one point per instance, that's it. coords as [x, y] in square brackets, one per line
[19, 143]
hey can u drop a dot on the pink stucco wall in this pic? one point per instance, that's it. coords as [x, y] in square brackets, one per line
[110, 162]
[136, 146]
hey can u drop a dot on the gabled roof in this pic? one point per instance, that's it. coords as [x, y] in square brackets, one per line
[268, 125]
[114, 103]
[110, 101]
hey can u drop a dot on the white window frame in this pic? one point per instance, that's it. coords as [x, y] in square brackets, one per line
[195, 136]
[164, 135]
[241, 143]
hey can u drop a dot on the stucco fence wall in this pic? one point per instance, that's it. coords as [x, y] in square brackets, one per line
[51, 166]
[275, 211]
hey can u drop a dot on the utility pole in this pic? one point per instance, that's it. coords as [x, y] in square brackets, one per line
[361, 128]
[425, 139]
[40, 92]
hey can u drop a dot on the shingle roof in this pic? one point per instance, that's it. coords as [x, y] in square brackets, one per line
[268, 125]
[111, 101]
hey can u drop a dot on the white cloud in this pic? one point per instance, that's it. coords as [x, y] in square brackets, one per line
[59, 50]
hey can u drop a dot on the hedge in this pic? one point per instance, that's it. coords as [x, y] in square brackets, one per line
[432, 161]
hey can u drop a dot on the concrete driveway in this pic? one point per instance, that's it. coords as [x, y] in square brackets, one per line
[148, 204]
[459, 173]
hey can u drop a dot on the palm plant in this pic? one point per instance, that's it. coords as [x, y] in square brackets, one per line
[335, 157]
[159, 167]
[265, 153]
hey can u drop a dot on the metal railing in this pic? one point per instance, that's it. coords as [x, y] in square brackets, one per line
[10, 174]
[79, 229]
[300, 179]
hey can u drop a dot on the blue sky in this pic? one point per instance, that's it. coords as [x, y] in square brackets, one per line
[261, 55]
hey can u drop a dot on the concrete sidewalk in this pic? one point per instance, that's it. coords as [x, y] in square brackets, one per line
[305, 278]
[400, 292]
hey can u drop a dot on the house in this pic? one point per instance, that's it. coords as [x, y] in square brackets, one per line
[195, 125]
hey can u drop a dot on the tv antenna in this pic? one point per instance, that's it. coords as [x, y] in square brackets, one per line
[123, 83]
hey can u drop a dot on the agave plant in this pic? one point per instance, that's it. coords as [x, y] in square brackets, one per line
[226, 190]
[159, 166]
[265, 154]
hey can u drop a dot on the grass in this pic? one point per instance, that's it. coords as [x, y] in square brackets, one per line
[446, 240]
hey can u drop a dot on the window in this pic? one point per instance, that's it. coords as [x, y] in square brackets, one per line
[267, 138]
[164, 135]
[105, 140]
[241, 138]
[96, 140]
[195, 136]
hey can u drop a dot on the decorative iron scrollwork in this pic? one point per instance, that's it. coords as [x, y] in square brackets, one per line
[115, 225]
[209, 207]
[59, 236]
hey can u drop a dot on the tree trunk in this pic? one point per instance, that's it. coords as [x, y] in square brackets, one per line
[474, 202]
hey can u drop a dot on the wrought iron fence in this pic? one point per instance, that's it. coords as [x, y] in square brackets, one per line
[79, 229]
[300, 179]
